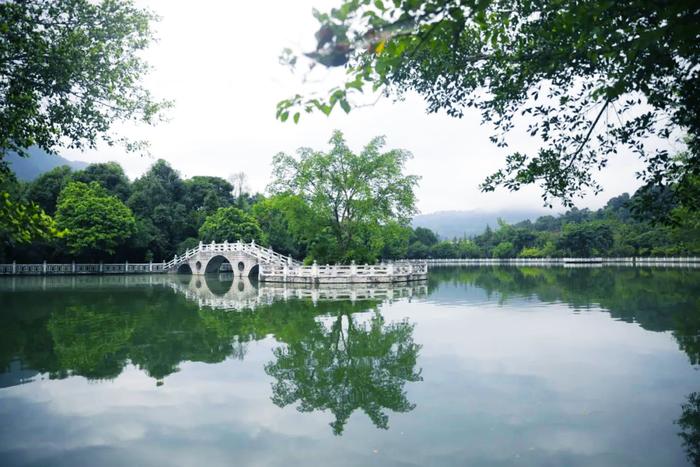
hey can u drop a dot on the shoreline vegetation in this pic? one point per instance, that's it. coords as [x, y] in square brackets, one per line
[160, 214]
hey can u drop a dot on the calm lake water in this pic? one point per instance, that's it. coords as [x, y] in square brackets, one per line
[478, 366]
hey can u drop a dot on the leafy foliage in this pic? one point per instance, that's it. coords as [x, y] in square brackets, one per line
[96, 222]
[22, 221]
[288, 222]
[353, 196]
[170, 211]
[230, 224]
[109, 175]
[592, 77]
[611, 231]
[158, 199]
[71, 68]
[45, 189]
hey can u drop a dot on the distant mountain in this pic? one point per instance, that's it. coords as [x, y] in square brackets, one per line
[38, 162]
[450, 224]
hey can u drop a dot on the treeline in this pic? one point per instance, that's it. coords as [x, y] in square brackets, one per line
[612, 231]
[101, 215]
[332, 207]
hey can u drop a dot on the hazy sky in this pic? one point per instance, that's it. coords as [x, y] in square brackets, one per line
[218, 60]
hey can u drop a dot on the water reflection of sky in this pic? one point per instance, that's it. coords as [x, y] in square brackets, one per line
[500, 386]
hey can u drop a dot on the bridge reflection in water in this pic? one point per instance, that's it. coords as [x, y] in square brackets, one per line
[228, 292]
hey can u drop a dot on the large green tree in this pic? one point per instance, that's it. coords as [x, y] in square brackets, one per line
[157, 200]
[231, 224]
[587, 239]
[352, 195]
[288, 223]
[44, 190]
[591, 78]
[204, 195]
[70, 69]
[96, 222]
[109, 175]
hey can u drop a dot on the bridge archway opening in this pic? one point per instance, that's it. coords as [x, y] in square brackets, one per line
[214, 264]
[253, 273]
[184, 268]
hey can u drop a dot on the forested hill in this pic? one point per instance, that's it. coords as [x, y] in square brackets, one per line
[457, 224]
[38, 162]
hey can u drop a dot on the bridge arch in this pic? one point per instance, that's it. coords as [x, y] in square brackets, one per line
[243, 259]
[184, 268]
[214, 263]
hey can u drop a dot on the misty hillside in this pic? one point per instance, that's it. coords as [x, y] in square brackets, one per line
[39, 161]
[450, 224]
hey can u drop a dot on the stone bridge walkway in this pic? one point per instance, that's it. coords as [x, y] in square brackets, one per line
[243, 257]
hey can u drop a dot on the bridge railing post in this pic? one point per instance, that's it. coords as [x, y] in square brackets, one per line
[44, 269]
[14, 267]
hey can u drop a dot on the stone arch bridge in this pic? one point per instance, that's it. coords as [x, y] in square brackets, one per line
[244, 258]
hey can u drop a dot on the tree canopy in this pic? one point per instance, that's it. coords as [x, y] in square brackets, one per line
[96, 222]
[109, 175]
[588, 78]
[70, 70]
[352, 195]
[231, 224]
[169, 213]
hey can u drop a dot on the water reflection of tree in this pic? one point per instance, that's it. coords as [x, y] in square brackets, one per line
[347, 366]
[154, 329]
[690, 426]
[97, 333]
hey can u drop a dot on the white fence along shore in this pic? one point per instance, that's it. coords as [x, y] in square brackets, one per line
[403, 270]
[80, 268]
[685, 261]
